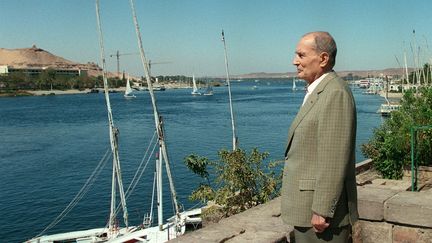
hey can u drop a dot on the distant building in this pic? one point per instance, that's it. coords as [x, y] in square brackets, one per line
[34, 71]
[395, 88]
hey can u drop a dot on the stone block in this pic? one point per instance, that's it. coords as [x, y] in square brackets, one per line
[372, 232]
[402, 234]
[371, 202]
[356, 232]
[397, 185]
[410, 208]
[259, 224]
[260, 237]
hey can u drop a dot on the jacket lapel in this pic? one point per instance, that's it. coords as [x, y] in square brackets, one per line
[311, 101]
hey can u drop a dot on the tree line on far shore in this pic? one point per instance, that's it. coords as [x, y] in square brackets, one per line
[49, 79]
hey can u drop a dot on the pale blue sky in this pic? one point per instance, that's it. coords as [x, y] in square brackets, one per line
[261, 35]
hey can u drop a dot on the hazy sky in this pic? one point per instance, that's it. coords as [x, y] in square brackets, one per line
[261, 35]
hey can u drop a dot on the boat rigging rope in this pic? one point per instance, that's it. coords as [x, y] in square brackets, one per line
[141, 169]
[82, 192]
[197, 205]
[129, 192]
[152, 200]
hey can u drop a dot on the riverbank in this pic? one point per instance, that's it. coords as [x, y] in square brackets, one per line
[76, 91]
[58, 92]
[391, 95]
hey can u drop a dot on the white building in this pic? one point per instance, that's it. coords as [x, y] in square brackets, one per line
[33, 71]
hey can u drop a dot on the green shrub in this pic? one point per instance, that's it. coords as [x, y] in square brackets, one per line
[241, 180]
[390, 147]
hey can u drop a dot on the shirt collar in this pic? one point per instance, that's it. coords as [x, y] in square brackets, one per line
[311, 87]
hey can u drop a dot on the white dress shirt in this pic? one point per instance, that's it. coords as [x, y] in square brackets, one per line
[310, 88]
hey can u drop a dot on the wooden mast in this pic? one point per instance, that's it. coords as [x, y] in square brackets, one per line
[157, 118]
[113, 131]
[234, 135]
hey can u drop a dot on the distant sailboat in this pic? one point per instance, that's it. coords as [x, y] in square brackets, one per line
[157, 86]
[194, 88]
[209, 90]
[128, 92]
[294, 87]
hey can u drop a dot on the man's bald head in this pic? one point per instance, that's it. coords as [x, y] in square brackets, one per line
[324, 42]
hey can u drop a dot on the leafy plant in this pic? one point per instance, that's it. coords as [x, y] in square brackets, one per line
[241, 180]
[390, 146]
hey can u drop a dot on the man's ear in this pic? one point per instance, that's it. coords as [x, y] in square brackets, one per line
[324, 59]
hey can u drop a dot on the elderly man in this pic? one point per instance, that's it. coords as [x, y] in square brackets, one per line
[319, 196]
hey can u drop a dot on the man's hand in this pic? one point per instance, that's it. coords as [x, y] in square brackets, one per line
[319, 223]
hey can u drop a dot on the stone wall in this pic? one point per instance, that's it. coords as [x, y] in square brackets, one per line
[393, 215]
[258, 224]
[388, 213]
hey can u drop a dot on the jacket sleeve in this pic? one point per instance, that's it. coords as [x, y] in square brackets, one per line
[334, 145]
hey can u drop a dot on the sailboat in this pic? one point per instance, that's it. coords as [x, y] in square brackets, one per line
[177, 224]
[157, 86]
[209, 90]
[112, 232]
[194, 88]
[294, 87]
[128, 92]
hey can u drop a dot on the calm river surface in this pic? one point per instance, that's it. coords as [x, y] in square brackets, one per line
[50, 145]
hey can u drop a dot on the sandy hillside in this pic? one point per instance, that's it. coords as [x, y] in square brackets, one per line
[37, 57]
[31, 57]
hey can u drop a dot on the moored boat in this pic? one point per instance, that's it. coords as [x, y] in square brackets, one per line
[112, 232]
[128, 92]
[386, 108]
[209, 90]
[194, 87]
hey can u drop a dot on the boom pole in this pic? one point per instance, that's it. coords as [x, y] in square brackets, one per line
[157, 118]
[113, 131]
[234, 135]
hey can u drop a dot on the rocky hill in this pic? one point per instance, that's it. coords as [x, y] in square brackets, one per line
[39, 58]
[31, 57]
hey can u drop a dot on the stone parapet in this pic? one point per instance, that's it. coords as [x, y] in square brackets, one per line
[388, 214]
[410, 208]
[371, 202]
[259, 224]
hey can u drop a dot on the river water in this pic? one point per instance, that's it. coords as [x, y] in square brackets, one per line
[50, 145]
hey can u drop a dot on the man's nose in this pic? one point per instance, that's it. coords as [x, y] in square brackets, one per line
[295, 61]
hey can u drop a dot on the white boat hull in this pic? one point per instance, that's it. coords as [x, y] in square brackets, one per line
[386, 109]
[90, 236]
[124, 235]
[150, 235]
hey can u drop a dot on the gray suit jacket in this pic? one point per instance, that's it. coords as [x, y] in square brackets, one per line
[319, 173]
